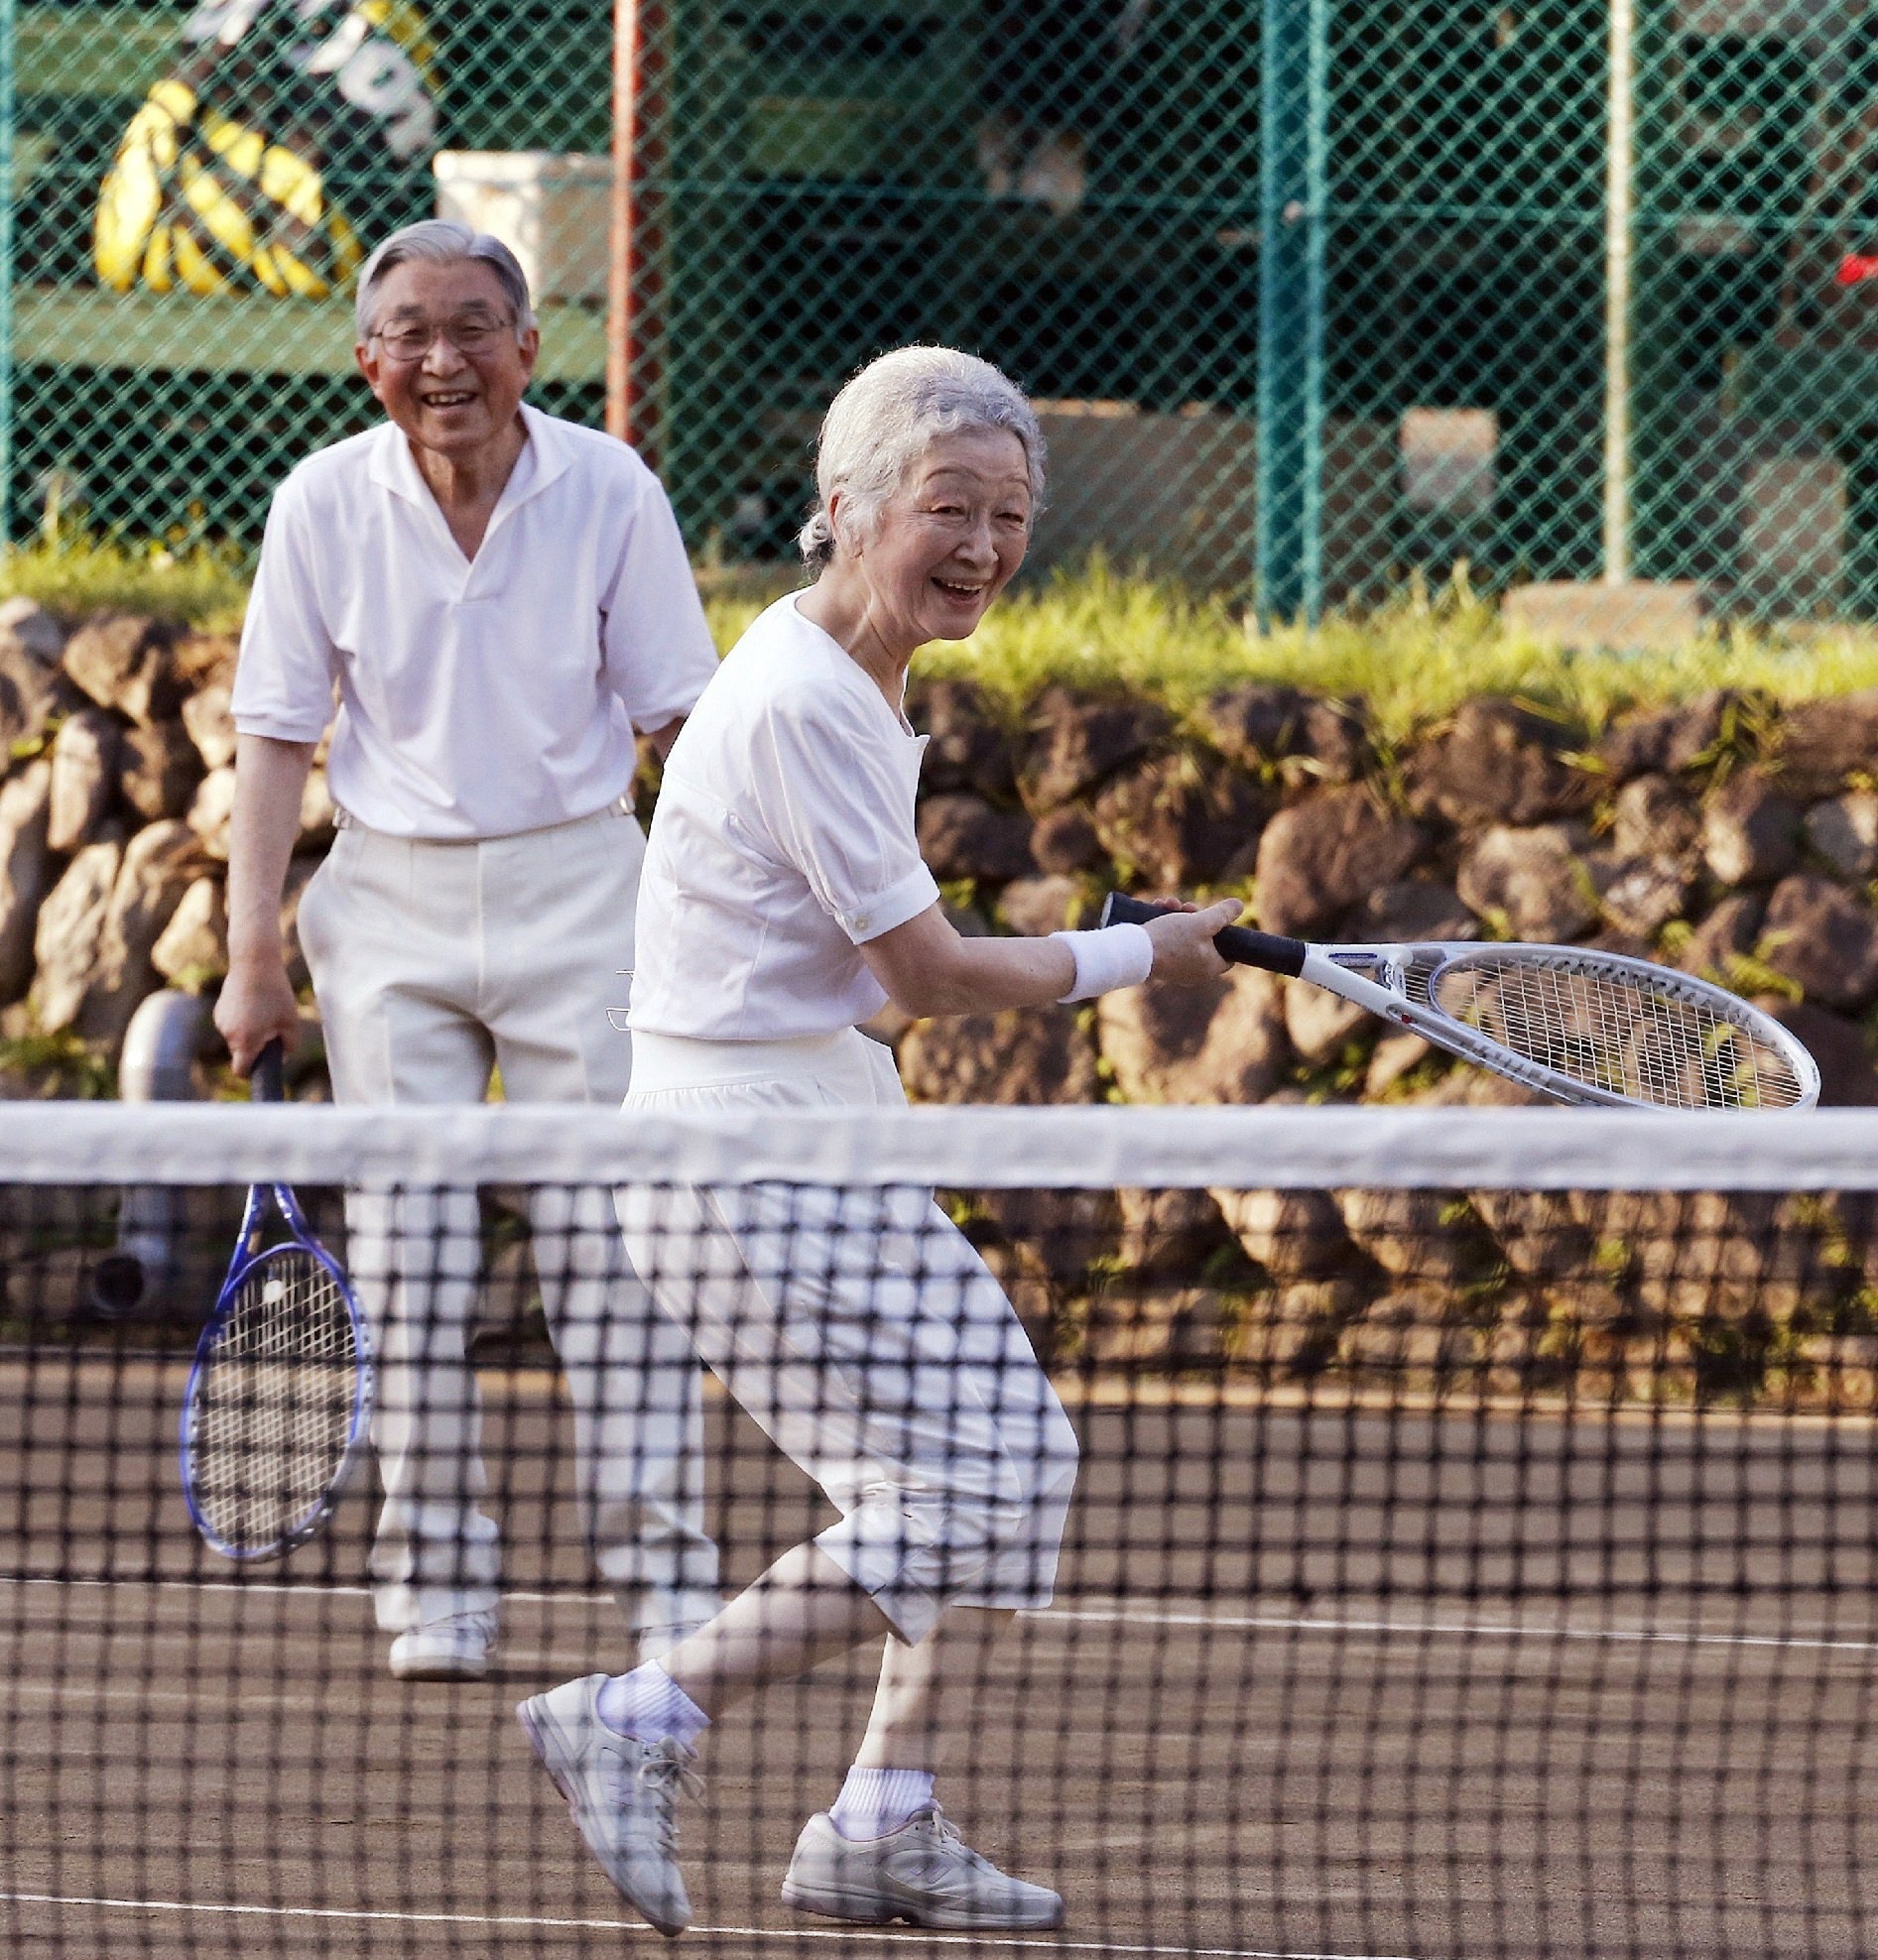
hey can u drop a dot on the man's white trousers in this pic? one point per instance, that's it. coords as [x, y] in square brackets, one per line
[434, 964]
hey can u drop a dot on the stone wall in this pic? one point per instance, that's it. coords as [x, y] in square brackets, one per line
[1723, 836]
[1728, 836]
[114, 821]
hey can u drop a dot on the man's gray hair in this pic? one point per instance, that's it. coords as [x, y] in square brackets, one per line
[887, 415]
[442, 242]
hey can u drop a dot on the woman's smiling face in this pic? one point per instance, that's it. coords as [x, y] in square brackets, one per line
[947, 541]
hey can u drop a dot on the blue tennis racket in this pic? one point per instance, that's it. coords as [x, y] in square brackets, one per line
[280, 1397]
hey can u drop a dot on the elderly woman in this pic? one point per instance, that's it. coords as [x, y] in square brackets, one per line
[784, 902]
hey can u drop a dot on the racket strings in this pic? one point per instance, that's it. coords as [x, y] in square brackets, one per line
[1615, 1032]
[277, 1402]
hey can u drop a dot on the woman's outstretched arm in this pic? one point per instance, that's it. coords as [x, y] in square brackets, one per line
[929, 968]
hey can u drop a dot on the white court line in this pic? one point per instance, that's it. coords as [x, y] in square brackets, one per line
[979, 1943]
[1460, 1630]
[1183, 1617]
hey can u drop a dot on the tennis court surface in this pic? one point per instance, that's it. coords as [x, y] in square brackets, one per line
[1475, 1547]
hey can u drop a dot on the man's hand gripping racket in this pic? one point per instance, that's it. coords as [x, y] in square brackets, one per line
[1576, 1024]
[280, 1397]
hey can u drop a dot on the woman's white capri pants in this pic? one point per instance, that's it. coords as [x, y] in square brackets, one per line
[864, 1335]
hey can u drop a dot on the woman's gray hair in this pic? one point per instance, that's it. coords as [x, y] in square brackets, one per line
[442, 242]
[885, 417]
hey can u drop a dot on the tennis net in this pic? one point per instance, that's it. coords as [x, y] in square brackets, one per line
[1473, 1547]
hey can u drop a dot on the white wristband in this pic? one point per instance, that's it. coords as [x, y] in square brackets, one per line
[1110, 957]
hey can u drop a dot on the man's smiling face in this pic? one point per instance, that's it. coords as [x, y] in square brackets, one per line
[445, 400]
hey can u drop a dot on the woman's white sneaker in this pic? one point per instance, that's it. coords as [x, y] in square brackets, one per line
[623, 1794]
[923, 1873]
[458, 1649]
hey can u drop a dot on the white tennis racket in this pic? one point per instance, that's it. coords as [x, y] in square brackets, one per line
[1576, 1024]
[280, 1397]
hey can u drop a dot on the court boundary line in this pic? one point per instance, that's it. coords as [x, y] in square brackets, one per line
[1107, 1390]
[980, 1941]
[1186, 1617]
[1461, 1630]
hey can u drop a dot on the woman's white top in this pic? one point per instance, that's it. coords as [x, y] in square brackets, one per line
[784, 841]
[476, 697]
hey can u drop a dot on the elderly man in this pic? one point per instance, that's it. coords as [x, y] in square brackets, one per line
[500, 600]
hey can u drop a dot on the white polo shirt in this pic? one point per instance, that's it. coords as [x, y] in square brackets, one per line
[476, 698]
[783, 842]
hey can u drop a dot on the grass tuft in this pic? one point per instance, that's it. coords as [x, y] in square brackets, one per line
[59, 1064]
[1414, 658]
[204, 586]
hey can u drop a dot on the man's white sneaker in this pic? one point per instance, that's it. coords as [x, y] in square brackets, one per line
[923, 1873]
[623, 1795]
[458, 1649]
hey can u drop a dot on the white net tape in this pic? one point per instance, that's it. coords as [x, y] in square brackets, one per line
[1062, 1149]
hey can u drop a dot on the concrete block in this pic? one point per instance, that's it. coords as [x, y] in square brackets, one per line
[1636, 617]
[552, 212]
[1447, 460]
[1171, 492]
[1793, 533]
[1177, 492]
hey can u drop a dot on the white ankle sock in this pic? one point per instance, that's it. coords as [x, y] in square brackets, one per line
[649, 1705]
[874, 1803]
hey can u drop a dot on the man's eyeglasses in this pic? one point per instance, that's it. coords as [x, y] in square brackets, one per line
[468, 333]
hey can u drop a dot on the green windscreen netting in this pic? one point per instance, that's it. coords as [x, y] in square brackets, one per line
[1312, 295]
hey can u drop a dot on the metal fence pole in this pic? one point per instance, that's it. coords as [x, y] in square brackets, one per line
[1619, 233]
[619, 241]
[634, 254]
[9, 129]
[1293, 88]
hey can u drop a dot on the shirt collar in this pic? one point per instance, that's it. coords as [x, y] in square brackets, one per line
[394, 466]
[853, 674]
[553, 454]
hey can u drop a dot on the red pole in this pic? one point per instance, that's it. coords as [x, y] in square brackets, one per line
[636, 256]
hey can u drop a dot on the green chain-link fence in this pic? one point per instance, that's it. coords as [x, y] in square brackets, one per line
[1314, 293]
[1599, 297]
[192, 191]
[1070, 189]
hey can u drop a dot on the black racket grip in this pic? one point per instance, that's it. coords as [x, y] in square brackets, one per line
[1241, 944]
[264, 1078]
